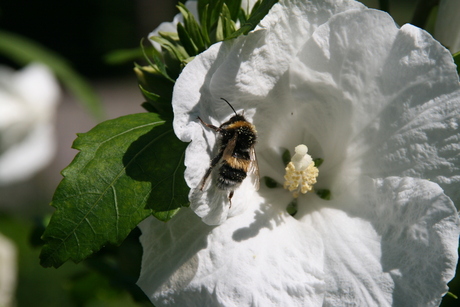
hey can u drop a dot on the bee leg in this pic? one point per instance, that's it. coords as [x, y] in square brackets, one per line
[230, 195]
[205, 177]
[209, 125]
[208, 172]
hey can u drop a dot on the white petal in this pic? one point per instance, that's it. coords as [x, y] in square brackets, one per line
[29, 156]
[381, 101]
[28, 99]
[243, 70]
[394, 246]
[247, 5]
[8, 271]
[447, 29]
[261, 259]
[39, 88]
[256, 62]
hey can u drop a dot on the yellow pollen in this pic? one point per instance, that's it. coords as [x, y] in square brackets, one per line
[301, 172]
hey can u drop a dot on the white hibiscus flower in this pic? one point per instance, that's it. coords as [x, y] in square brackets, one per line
[28, 101]
[380, 105]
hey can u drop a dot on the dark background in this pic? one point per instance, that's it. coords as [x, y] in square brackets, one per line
[84, 31]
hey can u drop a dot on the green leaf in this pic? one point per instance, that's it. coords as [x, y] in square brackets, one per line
[324, 194]
[457, 61]
[24, 51]
[242, 17]
[452, 295]
[292, 207]
[204, 26]
[148, 107]
[150, 96]
[201, 7]
[228, 26]
[255, 7]
[173, 52]
[318, 162]
[209, 19]
[234, 8]
[215, 7]
[193, 29]
[127, 169]
[286, 157]
[186, 40]
[219, 33]
[158, 61]
[270, 182]
[423, 11]
[257, 14]
[125, 55]
[156, 89]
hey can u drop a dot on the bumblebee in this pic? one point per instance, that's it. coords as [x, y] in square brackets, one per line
[236, 156]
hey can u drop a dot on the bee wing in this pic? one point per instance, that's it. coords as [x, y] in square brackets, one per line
[228, 151]
[225, 154]
[214, 162]
[254, 169]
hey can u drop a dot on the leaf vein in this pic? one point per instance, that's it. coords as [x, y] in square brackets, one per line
[115, 202]
[103, 193]
[90, 225]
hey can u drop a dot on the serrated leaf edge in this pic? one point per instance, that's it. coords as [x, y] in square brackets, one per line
[110, 185]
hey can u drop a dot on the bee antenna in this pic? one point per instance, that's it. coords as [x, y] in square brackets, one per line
[229, 104]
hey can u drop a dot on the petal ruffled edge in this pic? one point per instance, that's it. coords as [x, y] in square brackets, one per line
[262, 259]
[394, 244]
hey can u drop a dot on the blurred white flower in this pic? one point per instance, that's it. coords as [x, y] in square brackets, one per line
[380, 105]
[8, 272]
[28, 101]
[447, 28]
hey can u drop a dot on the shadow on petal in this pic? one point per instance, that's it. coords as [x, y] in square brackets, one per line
[175, 246]
[418, 226]
[271, 213]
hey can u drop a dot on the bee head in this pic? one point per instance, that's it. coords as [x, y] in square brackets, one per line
[237, 118]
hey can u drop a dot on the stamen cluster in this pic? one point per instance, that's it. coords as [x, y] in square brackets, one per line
[301, 172]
